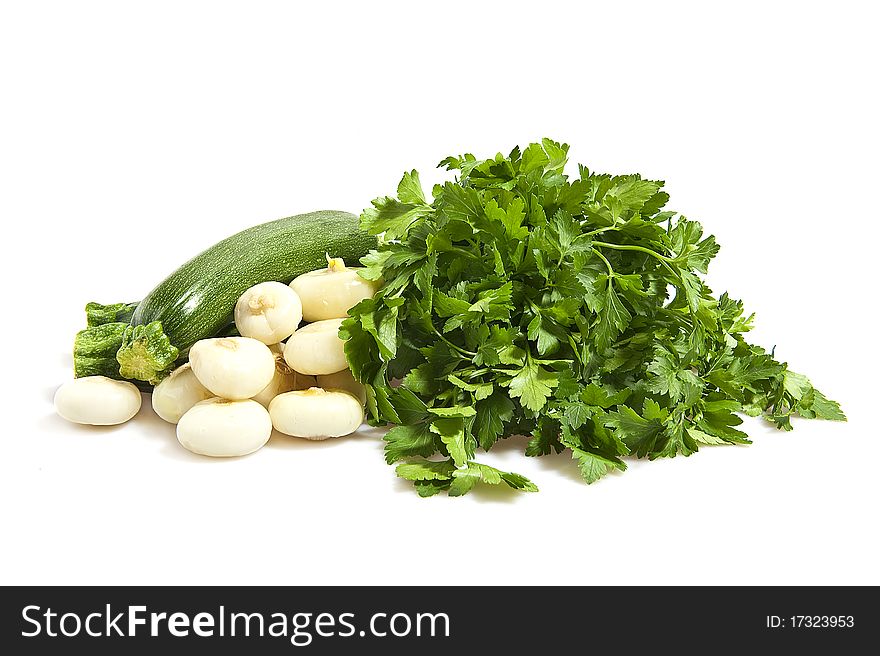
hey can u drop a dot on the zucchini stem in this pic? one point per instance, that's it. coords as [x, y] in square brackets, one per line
[98, 315]
[146, 353]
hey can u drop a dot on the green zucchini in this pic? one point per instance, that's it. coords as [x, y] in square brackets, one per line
[197, 300]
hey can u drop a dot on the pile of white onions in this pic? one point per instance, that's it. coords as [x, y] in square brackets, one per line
[234, 390]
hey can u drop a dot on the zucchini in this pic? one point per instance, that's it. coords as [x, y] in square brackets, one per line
[197, 300]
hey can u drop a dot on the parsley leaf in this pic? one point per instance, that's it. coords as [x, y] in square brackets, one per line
[467, 477]
[459, 444]
[532, 384]
[408, 441]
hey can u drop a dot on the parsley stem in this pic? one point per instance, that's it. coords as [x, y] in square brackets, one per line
[455, 346]
[670, 269]
[607, 263]
[665, 261]
[596, 232]
[632, 247]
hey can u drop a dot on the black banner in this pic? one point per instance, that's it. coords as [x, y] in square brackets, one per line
[428, 620]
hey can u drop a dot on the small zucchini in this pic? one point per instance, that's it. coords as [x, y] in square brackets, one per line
[197, 301]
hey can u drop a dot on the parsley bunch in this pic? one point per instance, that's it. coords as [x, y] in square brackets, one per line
[519, 301]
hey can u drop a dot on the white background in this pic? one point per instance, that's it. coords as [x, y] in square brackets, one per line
[133, 135]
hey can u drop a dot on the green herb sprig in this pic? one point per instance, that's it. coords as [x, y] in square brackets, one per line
[520, 301]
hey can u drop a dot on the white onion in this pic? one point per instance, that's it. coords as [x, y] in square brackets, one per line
[221, 428]
[285, 380]
[268, 312]
[329, 293]
[97, 400]
[178, 393]
[316, 414]
[232, 367]
[316, 349]
[345, 381]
